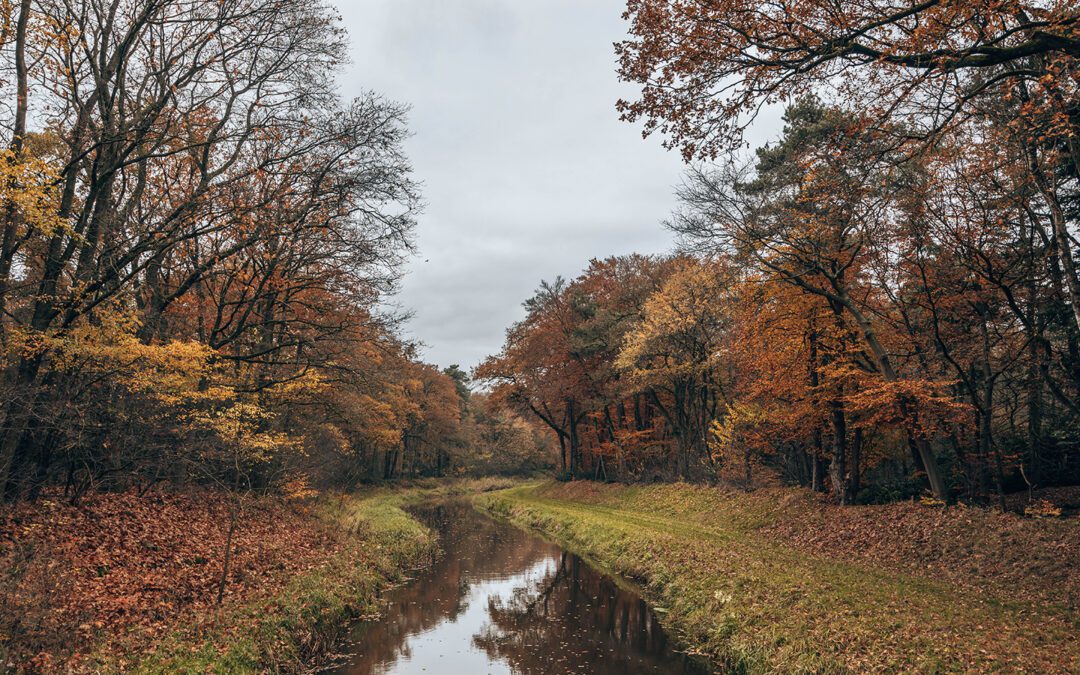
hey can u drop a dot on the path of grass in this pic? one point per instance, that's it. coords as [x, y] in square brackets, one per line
[755, 605]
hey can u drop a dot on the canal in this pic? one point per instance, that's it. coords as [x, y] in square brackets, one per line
[503, 600]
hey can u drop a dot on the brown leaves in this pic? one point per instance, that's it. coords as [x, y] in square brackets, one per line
[989, 551]
[705, 68]
[120, 564]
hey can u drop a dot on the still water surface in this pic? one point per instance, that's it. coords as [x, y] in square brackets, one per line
[502, 600]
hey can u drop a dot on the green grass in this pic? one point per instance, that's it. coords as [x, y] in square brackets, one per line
[753, 604]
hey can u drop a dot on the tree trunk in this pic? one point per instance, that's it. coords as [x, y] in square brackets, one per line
[838, 467]
[234, 512]
[620, 467]
[1064, 251]
[575, 450]
[817, 478]
[11, 217]
[749, 469]
[934, 474]
[985, 409]
[817, 481]
[1035, 413]
[855, 470]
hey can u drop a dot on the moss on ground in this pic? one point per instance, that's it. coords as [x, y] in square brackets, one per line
[753, 603]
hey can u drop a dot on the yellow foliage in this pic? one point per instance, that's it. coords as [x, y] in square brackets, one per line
[728, 434]
[28, 186]
[177, 376]
[381, 421]
[1042, 508]
[299, 489]
[682, 326]
[241, 426]
[309, 384]
[109, 346]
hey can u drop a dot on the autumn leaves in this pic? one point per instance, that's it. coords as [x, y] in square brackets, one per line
[196, 235]
[886, 291]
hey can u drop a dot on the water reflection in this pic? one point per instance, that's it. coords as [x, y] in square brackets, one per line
[504, 601]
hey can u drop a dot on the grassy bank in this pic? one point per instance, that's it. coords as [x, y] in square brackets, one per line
[744, 579]
[129, 583]
[304, 620]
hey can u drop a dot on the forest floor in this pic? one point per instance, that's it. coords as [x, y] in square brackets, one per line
[122, 582]
[780, 581]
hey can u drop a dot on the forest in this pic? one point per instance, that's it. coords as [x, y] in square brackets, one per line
[198, 236]
[882, 302]
[864, 339]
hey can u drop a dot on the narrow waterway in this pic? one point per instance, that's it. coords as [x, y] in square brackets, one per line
[502, 600]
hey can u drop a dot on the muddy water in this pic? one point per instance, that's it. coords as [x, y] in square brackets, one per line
[501, 600]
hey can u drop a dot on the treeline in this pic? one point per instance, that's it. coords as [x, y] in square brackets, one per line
[883, 300]
[196, 235]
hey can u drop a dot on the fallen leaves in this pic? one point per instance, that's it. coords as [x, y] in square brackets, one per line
[1003, 554]
[118, 564]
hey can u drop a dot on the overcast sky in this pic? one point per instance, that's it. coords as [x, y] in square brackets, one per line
[527, 171]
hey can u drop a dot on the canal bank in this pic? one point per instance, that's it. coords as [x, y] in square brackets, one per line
[501, 599]
[733, 587]
[370, 544]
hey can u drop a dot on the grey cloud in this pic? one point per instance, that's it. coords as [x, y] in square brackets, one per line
[527, 171]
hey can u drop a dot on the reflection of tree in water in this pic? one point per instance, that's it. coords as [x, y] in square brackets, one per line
[473, 547]
[576, 618]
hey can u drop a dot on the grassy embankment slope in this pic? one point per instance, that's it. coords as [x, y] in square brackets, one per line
[127, 583]
[311, 613]
[777, 581]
